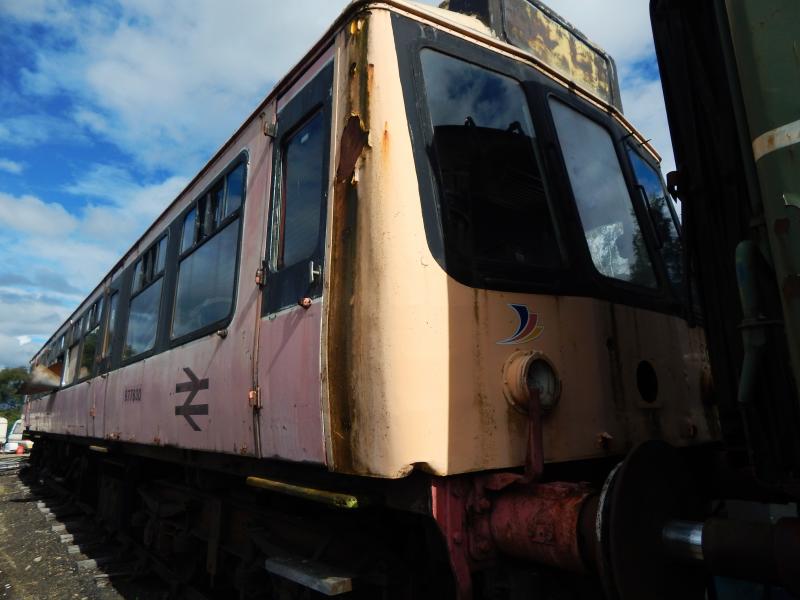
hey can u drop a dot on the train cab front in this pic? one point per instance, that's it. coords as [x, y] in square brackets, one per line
[525, 332]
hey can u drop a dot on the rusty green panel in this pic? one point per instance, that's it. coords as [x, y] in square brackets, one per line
[533, 27]
[766, 41]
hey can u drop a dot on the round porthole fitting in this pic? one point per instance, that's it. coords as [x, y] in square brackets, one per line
[647, 381]
[526, 371]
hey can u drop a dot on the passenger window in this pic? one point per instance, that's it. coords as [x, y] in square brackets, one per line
[145, 301]
[205, 212]
[234, 190]
[110, 326]
[161, 258]
[88, 352]
[138, 276]
[188, 235]
[216, 206]
[70, 368]
[606, 209]
[59, 360]
[142, 321]
[206, 284]
[64, 368]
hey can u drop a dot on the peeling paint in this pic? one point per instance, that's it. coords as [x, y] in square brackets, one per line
[354, 138]
[531, 29]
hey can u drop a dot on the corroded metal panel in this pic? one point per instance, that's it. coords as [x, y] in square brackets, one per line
[125, 404]
[552, 41]
[196, 395]
[385, 309]
[290, 419]
[413, 368]
[291, 416]
[96, 406]
[145, 402]
[68, 410]
[596, 349]
[38, 413]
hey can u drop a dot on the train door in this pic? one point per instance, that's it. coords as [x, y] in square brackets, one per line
[97, 400]
[289, 337]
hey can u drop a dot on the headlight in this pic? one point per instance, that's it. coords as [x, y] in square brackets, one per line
[526, 372]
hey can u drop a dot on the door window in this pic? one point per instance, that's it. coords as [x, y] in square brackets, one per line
[299, 196]
[302, 180]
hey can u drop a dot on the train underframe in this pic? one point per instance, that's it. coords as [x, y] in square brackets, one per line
[235, 527]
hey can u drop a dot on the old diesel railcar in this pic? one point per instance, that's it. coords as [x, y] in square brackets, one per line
[399, 331]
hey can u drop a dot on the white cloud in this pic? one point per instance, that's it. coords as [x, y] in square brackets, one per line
[34, 128]
[115, 185]
[644, 107]
[37, 11]
[11, 166]
[51, 257]
[28, 214]
[26, 320]
[14, 354]
[174, 79]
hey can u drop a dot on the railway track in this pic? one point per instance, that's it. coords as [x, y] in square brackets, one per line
[52, 547]
[12, 464]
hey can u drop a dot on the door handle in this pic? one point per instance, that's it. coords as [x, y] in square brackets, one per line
[314, 272]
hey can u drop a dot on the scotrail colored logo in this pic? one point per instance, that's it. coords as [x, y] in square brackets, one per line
[529, 328]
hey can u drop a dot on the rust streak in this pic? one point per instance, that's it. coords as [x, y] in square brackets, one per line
[344, 335]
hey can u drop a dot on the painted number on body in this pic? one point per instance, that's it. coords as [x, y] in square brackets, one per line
[133, 395]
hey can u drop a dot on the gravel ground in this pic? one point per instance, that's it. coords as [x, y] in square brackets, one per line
[35, 565]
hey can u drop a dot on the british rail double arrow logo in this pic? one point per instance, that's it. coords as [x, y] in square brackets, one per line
[187, 410]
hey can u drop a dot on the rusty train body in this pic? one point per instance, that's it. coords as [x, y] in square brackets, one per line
[432, 289]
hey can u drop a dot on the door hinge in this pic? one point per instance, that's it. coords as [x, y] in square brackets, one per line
[254, 398]
[260, 276]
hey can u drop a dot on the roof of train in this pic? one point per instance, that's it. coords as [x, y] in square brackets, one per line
[462, 23]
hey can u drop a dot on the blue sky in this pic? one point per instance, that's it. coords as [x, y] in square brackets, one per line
[109, 107]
